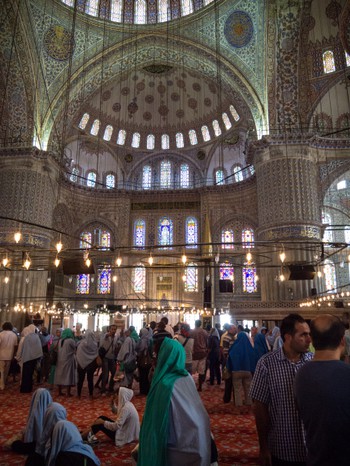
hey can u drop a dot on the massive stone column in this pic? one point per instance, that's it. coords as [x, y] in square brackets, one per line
[288, 211]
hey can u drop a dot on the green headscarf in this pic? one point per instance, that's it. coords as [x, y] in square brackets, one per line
[133, 333]
[67, 333]
[154, 428]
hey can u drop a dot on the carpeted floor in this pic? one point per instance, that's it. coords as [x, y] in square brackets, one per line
[234, 432]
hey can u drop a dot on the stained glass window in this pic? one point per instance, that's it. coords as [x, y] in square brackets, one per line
[329, 275]
[186, 7]
[328, 61]
[74, 175]
[227, 237]
[116, 10]
[347, 59]
[85, 240]
[147, 177]
[184, 175]
[328, 233]
[234, 113]
[121, 137]
[193, 137]
[205, 133]
[69, 2]
[216, 128]
[237, 170]
[249, 281]
[140, 233]
[135, 140]
[108, 133]
[162, 11]
[226, 271]
[91, 180]
[104, 281]
[165, 141]
[110, 181]
[219, 176]
[95, 128]
[165, 174]
[165, 232]
[104, 240]
[191, 232]
[179, 140]
[92, 7]
[248, 238]
[83, 284]
[226, 121]
[150, 142]
[191, 282]
[84, 121]
[140, 279]
[140, 12]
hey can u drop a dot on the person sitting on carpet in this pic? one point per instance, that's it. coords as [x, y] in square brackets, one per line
[125, 429]
[41, 399]
[68, 448]
[54, 413]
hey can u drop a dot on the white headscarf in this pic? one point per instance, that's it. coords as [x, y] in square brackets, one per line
[125, 395]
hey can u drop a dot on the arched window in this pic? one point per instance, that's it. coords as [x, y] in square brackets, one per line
[84, 121]
[347, 235]
[162, 11]
[104, 239]
[91, 7]
[140, 233]
[227, 237]
[179, 140]
[147, 177]
[108, 133]
[191, 232]
[347, 59]
[328, 233]
[216, 128]
[121, 137]
[139, 279]
[86, 240]
[135, 140]
[186, 7]
[193, 137]
[249, 278]
[104, 281]
[165, 141]
[328, 61]
[226, 271]
[205, 133]
[329, 275]
[226, 121]
[165, 232]
[248, 238]
[140, 12]
[110, 181]
[238, 172]
[116, 10]
[74, 175]
[91, 179]
[234, 113]
[150, 141]
[83, 284]
[95, 128]
[184, 175]
[191, 281]
[219, 176]
[165, 174]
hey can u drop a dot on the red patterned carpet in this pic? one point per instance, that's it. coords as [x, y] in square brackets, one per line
[234, 432]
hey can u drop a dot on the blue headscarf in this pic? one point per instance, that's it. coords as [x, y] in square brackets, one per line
[260, 345]
[241, 356]
[55, 412]
[40, 401]
[66, 437]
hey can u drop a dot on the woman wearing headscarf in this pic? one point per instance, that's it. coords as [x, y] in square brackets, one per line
[54, 413]
[41, 399]
[260, 345]
[28, 355]
[214, 356]
[87, 352]
[53, 352]
[144, 360]
[241, 362]
[127, 358]
[68, 449]
[133, 334]
[66, 371]
[175, 429]
[125, 429]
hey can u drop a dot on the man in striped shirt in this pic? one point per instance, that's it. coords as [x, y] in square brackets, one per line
[280, 430]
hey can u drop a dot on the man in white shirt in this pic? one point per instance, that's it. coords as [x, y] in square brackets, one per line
[8, 343]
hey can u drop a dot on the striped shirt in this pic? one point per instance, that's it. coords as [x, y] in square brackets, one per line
[273, 385]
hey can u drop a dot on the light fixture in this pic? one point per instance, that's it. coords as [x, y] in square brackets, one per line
[118, 261]
[59, 247]
[217, 258]
[57, 261]
[17, 237]
[86, 305]
[150, 260]
[27, 262]
[319, 273]
[184, 259]
[249, 256]
[87, 260]
[256, 278]
[114, 278]
[183, 277]
[5, 261]
[6, 280]
[282, 256]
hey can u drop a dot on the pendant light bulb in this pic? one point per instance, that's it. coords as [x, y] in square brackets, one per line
[57, 262]
[6, 280]
[184, 259]
[319, 273]
[282, 277]
[184, 277]
[59, 247]
[5, 261]
[88, 262]
[249, 256]
[150, 260]
[119, 261]
[17, 237]
[114, 278]
[282, 256]
[27, 262]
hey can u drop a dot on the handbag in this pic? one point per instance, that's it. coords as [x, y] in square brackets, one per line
[103, 351]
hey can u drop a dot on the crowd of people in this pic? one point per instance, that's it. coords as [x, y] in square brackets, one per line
[292, 377]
